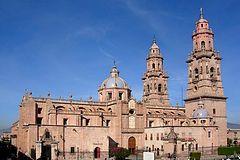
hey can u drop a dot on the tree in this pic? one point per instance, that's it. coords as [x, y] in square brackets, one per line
[119, 152]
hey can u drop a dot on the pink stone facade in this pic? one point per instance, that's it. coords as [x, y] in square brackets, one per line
[72, 129]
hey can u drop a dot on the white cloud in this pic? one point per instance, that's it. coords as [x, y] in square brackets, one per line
[93, 31]
[154, 18]
[107, 54]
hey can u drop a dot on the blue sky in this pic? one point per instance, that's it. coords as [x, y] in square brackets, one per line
[68, 47]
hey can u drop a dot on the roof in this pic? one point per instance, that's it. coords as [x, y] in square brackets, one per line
[114, 80]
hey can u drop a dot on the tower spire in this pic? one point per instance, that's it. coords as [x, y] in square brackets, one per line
[201, 13]
[154, 39]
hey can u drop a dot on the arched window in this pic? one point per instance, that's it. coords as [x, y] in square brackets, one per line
[203, 45]
[182, 147]
[157, 151]
[97, 152]
[196, 45]
[159, 88]
[210, 46]
[109, 97]
[148, 88]
[189, 147]
[194, 122]
[214, 111]
[207, 71]
[212, 70]
[165, 87]
[218, 71]
[153, 65]
[203, 121]
[209, 134]
[155, 86]
[196, 73]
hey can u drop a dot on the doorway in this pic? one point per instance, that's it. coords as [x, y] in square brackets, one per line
[46, 152]
[132, 145]
[97, 152]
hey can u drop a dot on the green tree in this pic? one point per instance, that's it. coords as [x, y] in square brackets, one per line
[119, 152]
[195, 155]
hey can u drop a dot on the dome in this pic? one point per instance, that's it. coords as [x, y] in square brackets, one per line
[114, 80]
[201, 20]
[154, 45]
[200, 113]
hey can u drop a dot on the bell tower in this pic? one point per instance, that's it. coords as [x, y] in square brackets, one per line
[155, 79]
[204, 78]
[204, 75]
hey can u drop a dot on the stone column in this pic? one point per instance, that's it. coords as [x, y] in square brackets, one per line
[54, 150]
[38, 149]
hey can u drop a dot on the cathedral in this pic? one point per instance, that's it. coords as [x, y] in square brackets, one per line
[77, 129]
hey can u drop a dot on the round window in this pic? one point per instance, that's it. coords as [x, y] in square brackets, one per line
[131, 111]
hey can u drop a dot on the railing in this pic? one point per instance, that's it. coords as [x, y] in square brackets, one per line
[69, 101]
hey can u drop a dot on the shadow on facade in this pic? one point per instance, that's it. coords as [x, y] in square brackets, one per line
[8, 151]
[112, 143]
